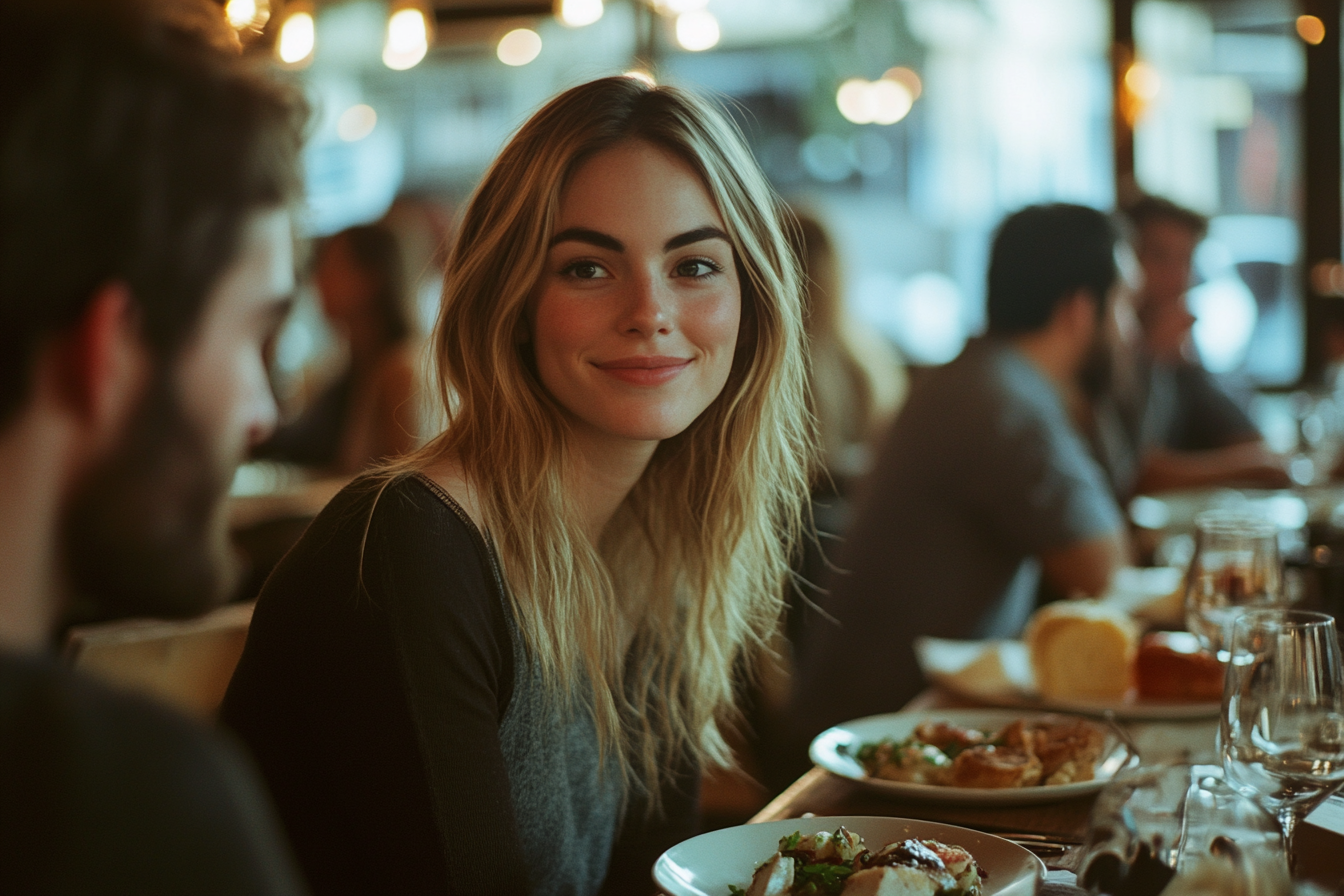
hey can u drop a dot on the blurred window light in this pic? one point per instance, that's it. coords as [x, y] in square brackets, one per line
[1225, 317]
[907, 76]
[929, 324]
[578, 13]
[519, 47]
[407, 38]
[697, 30]
[1310, 29]
[1230, 103]
[356, 123]
[298, 38]
[871, 153]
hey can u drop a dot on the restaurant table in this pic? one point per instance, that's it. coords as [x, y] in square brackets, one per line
[818, 792]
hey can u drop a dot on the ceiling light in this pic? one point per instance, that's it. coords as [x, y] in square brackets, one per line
[407, 39]
[577, 13]
[298, 37]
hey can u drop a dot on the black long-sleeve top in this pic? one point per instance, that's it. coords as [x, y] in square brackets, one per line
[406, 738]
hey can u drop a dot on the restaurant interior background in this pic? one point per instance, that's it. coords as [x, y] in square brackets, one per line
[911, 126]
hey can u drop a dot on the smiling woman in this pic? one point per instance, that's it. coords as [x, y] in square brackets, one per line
[528, 630]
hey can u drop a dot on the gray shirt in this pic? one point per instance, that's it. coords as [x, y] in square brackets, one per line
[981, 474]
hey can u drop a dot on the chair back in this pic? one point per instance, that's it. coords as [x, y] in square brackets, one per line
[184, 663]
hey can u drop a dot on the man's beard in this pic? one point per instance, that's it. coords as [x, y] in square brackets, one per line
[145, 534]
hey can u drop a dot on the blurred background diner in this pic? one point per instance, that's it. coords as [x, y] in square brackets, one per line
[905, 132]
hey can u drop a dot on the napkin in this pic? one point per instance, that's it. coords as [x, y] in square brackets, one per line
[989, 669]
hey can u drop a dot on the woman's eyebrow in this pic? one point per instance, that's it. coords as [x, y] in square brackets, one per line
[695, 236]
[592, 237]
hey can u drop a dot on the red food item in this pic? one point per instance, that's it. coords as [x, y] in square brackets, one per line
[1170, 666]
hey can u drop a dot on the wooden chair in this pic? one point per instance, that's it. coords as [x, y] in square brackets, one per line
[187, 663]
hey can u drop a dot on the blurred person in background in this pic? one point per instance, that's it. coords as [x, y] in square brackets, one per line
[146, 259]
[981, 487]
[1163, 422]
[370, 412]
[497, 666]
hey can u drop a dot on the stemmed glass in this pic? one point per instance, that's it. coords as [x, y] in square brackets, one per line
[1281, 735]
[1236, 566]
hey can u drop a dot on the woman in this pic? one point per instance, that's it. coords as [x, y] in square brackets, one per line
[479, 661]
[368, 413]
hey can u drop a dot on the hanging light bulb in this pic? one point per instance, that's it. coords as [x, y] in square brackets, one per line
[407, 41]
[298, 36]
[577, 13]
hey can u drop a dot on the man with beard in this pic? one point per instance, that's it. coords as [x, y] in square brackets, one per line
[146, 259]
[981, 488]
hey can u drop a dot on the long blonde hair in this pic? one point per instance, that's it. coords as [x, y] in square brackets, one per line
[694, 565]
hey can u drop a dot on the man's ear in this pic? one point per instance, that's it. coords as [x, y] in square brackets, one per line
[101, 362]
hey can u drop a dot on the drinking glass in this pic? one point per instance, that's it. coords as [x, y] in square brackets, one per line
[1236, 566]
[1281, 734]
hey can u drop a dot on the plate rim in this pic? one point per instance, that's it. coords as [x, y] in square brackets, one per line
[936, 793]
[1038, 866]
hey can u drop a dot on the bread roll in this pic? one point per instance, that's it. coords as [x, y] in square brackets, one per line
[1081, 650]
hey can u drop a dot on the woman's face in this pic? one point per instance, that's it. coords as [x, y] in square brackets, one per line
[636, 316]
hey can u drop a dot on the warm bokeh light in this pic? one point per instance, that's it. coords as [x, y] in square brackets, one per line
[852, 99]
[903, 75]
[577, 13]
[639, 75]
[1142, 80]
[298, 38]
[356, 123]
[697, 30]
[677, 7]
[891, 101]
[874, 102]
[1310, 29]
[519, 47]
[407, 39]
[240, 13]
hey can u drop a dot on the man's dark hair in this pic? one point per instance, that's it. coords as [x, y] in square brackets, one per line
[1149, 209]
[1043, 254]
[134, 145]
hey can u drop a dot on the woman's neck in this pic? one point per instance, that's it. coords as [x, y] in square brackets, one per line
[602, 474]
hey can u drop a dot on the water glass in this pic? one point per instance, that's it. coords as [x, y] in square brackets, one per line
[1281, 734]
[1236, 566]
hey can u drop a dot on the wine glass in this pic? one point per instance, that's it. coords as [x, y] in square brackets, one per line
[1236, 566]
[1281, 734]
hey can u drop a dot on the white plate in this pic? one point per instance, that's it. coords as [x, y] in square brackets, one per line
[832, 748]
[968, 669]
[706, 865]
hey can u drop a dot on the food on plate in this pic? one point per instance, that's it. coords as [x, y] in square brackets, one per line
[1025, 753]
[1171, 666]
[840, 864]
[1082, 649]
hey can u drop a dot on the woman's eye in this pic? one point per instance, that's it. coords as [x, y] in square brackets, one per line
[697, 267]
[584, 270]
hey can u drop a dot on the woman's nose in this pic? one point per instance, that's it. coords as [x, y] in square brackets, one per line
[649, 308]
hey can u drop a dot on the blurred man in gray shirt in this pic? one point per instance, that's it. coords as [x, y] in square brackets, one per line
[981, 487]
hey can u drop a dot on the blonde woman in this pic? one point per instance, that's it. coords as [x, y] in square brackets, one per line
[495, 667]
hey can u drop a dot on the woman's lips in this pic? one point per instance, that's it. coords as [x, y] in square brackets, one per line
[649, 370]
